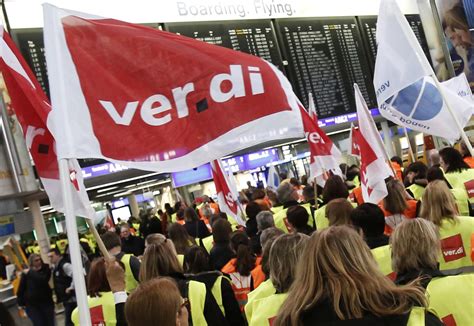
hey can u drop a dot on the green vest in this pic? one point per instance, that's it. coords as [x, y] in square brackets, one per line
[417, 191]
[207, 243]
[383, 256]
[264, 290]
[197, 299]
[102, 310]
[451, 298]
[266, 309]
[456, 242]
[130, 281]
[276, 209]
[417, 317]
[457, 180]
[280, 218]
[217, 292]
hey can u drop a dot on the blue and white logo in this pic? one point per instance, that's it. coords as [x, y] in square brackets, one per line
[420, 101]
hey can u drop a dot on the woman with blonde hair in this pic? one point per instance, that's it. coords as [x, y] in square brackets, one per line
[159, 260]
[338, 212]
[397, 205]
[338, 282]
[439, 206]
[415, 250]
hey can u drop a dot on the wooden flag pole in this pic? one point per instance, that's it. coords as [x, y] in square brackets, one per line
[98, 239]
[410, 149]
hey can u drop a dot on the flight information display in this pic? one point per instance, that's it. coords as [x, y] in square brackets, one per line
[368, 26]
[326, 57]
[31, 44]
[256, 37]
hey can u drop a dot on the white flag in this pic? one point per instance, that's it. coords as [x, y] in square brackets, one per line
[374, 168]
[404, 82]
[273, 179]
[460, 85]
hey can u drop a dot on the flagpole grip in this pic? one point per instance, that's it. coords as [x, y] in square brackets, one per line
[455, 118]
[74, 250]
[98, 239]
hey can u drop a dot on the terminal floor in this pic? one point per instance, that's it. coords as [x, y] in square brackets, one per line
[27, 322]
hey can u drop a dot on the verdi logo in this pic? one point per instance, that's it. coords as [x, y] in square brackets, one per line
[419, 101]
[452, 248]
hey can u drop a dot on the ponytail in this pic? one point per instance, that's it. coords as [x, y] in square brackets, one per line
[244, 254]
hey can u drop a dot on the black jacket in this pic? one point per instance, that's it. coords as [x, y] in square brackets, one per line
[34, 287]
[323, 314]
[197, 229]
[378, 241]
[61, 282]
[133, 245]
[231, 306]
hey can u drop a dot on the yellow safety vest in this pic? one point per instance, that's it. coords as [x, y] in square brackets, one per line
[383, 256]
[276, 209]
[61, 245]
[417, 191]
[322, 221]
[451, 298]
[92, 241]
[130, 281]
[217, 292]
[208, 243]
[417, 317]
[280, 218]
[173, 218]
[181, 260]
[457, 180]
[136, 226]
[36, 250]
[264, 290]
[456, 242]
[197, 300]
[266, 309]
[102, 310]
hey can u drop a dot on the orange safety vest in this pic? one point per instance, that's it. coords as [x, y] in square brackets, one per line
[469, 161]
[398, 170]
[357, 195]
[391, 220]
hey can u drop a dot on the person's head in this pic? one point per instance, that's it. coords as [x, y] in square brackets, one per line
[111, 240]
[267, 238]
[258, 194]
[154, 238]
[240, 242]
[221, 231]
[196, 260]
[286, 192]
[369, 218]
[97, 278]
[415, 246]
[180, 214]
[334, 188]
[433, 158]
[190, 215]
[438, 203]
[308, 194]
[415, 171]
[298, 217]
[352, 172]
[206, 211]
[396, 200]
[156, 300]
[264, 220]
[284, 255]
[159, 259]
[304, 180]
[338, 211]
[451, 160]
[252, 209]
[295, 183]
[249, 184]
[397, 159]
[456, 27]
[54, 256]
[35, 261]
[338, 268]
[124, 231]
[180, 237]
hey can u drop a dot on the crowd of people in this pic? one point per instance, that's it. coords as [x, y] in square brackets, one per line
[299, 260]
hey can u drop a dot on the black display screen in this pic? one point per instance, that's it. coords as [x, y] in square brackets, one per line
[326, 57]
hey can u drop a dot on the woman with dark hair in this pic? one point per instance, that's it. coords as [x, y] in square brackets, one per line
[180, 237]
[397, 205]
[221, 252]
[241, 269]
[196, 266]
[35, 294]
[251, 227]
[100, 297]
[415, 179]
[334, 188]
[195, 227]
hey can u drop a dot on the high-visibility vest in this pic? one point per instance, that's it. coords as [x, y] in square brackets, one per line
[264, 290]
[102, 310]
[276, 209]
[197, 300]
[180, 260]
[357, 196]
[241, 285]
[458, 180]
[322, 220]
[383, 256]
[417, 317]
[398, 170]
[216, 291]
[36, 249]
[469, 161]
[462, 200]
[266, 309]
[417, 191]
[173, 218]
[456, 244]
[207, 243]
[61, 245]
[281, 222]
[130, 281]
[136, 226]
[392, 220]
[451, 298]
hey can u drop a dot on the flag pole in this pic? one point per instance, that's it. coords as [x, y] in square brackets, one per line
[98, 239]
[74, 250]
[455, 118]
[410, 149]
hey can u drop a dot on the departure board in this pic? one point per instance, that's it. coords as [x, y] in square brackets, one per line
[31, 44]
[326, 57]
[368, 26]
[256, 37]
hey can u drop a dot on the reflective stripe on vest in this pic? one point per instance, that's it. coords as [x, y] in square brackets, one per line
[197, 299]
[383, 256]
[265, 289]
[417, 191]
[102, 310]
[266, 309]
[456, 242]
[417, 317]
[217, 293]
[130, 281]
[451, 298]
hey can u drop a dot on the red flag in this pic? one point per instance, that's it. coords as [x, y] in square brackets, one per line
[109, 222]
[228, 203]
[325, 156]
[354, 141]
[32, 108]
[172, 101]
[374, 168]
